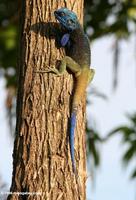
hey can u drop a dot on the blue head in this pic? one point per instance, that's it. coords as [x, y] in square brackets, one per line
[67, 19]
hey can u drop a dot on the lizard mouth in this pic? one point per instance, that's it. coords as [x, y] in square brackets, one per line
[60, 19]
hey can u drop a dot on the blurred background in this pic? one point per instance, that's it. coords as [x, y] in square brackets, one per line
[111, 102]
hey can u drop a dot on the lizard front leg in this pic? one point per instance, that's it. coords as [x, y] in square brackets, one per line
[66, 62]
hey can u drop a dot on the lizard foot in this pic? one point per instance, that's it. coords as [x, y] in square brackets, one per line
[49, 69]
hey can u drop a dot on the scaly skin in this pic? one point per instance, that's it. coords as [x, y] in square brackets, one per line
[77, 60]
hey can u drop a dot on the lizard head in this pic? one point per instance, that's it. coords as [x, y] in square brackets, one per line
[67, 19]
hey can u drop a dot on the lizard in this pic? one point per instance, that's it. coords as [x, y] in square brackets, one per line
[77, 60]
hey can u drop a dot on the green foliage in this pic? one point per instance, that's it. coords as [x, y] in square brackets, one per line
[109, 17]
[8, 40]
[116, 17]
[93, 141]
[128, 134]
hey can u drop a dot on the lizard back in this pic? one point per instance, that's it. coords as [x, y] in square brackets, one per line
[79, 48]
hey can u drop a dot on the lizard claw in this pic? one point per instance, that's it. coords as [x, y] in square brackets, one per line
[50, 69]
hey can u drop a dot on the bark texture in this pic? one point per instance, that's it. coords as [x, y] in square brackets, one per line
[41, 158]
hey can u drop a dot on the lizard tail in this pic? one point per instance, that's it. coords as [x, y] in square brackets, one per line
[71, 138]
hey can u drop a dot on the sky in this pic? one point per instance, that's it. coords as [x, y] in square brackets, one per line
[6, 143]
[111, 178]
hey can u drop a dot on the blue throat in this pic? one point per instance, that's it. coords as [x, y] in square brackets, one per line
[65, 39]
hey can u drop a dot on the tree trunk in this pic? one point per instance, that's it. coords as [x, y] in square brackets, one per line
[41, 158]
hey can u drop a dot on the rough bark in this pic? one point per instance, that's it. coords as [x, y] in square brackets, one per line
[41, 158]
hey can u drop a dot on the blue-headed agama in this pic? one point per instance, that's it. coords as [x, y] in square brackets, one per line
[77, 61]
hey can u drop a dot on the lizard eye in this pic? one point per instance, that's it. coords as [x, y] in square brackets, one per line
[62, 14]
[70, 21]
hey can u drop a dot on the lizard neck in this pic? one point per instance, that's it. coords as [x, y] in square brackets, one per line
[78, 34]
[80, 48]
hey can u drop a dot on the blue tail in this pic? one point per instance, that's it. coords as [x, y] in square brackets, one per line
[71, 138]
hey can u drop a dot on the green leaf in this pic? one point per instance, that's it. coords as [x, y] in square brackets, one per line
[130, 153]
[133, 175]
